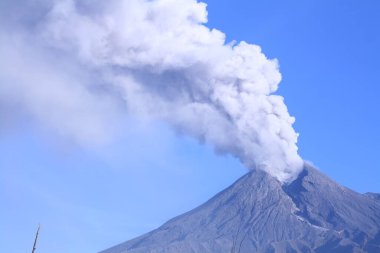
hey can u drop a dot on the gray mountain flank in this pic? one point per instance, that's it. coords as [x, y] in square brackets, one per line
[257, 213]
[372, 195]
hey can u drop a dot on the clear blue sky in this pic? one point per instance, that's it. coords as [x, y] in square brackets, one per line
[88, 200]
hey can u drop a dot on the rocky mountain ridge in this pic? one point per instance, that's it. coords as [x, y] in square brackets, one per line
[257, 213]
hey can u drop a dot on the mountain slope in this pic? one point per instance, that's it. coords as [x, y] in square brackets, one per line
[258, 214]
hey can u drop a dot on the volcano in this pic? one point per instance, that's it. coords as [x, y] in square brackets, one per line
[260, 214]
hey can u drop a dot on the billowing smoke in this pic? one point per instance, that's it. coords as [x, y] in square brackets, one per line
[77, 66]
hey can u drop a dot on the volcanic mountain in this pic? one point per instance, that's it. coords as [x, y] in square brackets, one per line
[313, 214]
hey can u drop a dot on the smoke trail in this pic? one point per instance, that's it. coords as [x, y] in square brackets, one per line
[153, 59]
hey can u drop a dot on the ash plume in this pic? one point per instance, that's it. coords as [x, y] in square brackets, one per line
[77, 66]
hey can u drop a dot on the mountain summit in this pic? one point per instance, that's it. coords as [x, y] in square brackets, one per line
[313, 214]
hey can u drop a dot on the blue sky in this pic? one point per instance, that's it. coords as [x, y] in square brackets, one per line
[328, 53]
[89, 199]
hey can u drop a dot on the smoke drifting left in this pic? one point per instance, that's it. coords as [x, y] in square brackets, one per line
[82, 65]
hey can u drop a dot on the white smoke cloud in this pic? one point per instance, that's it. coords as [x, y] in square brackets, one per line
[84, 64]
